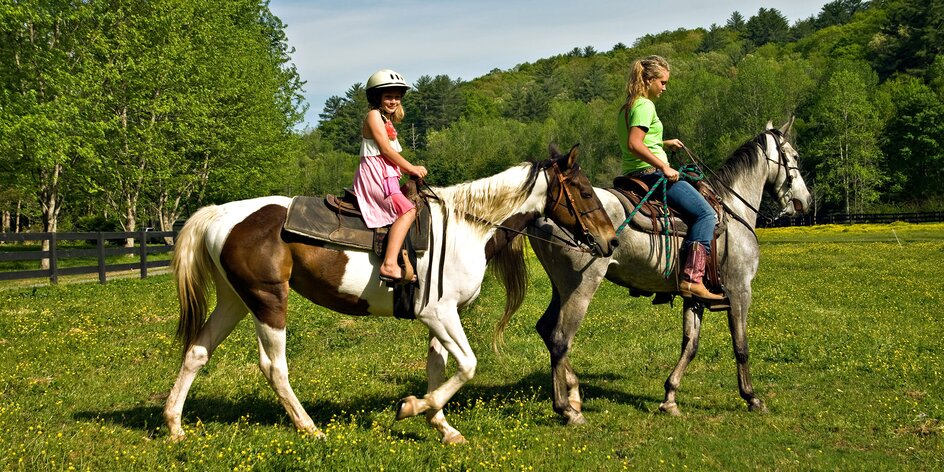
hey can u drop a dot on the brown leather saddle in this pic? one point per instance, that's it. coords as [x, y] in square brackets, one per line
[651, 218]
[339, 221]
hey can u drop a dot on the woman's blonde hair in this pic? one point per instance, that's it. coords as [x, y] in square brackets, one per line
[641, 73]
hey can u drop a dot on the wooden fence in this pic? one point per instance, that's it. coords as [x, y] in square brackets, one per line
[854, 218]
[100, 252]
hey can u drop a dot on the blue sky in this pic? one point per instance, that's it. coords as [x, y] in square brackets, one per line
[341, 42]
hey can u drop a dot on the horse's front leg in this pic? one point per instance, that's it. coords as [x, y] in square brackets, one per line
[737, 324]
[691, 331]
[557, 328]
[436, 374]
[445, 327]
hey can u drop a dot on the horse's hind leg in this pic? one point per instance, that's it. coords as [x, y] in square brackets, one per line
[228, 312]
[273, 364]
[557, 329]
[691, 331]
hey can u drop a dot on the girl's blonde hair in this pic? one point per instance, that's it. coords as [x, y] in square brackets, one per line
[641, 73]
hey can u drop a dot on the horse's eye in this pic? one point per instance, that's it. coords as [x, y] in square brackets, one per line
[586, 195]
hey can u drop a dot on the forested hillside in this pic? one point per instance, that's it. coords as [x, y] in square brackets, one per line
[864, 79]
[118, 114]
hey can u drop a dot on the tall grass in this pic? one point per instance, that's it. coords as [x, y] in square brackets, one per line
[846, 349]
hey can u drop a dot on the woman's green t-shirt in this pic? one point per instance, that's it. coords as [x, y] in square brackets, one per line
[643, 114]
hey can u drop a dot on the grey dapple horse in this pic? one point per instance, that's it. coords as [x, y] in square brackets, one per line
[767, 161]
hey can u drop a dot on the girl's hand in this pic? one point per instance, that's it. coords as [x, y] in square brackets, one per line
[418, 171]
[672, 144]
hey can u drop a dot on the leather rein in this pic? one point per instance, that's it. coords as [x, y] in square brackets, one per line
[571, 206]
[781, 162]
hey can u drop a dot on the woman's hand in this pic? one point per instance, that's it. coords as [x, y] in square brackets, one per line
[670, 174]
[672, 144]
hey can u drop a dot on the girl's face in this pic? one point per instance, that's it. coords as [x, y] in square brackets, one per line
[390, 101]
[657, 86]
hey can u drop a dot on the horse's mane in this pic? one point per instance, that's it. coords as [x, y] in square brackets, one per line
[488, 201]
[744, 159]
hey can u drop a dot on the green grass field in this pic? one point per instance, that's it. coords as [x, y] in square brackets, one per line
[846, 350]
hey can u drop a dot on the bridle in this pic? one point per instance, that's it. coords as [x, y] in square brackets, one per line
[563, 190]
[786, 196]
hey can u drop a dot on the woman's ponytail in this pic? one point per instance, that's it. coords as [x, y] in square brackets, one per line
[641, 73]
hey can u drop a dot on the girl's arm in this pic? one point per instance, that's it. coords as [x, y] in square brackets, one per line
[378, 132]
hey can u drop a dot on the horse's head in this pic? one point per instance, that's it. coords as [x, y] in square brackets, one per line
[573, 204]
[783, 172]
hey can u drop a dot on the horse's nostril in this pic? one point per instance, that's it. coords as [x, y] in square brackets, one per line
[614, 242]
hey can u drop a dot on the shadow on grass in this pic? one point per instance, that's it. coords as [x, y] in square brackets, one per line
[266, 410]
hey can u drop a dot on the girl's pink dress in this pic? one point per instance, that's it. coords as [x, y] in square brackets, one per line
[376, 184]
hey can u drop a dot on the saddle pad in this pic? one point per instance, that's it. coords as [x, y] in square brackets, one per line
[312, 218]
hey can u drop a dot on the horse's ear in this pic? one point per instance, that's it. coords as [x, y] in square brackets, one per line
[789, 124]
[770, 125]
[572, 156]
[555, 152]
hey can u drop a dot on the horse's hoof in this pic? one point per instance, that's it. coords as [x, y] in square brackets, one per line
[576, 419]
[315, 433]
[177, 437]
[757, 406]
[670, 409]
[407, 408]
[454, 438]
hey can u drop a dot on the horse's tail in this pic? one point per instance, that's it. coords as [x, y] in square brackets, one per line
[509, 267]
[193, 271]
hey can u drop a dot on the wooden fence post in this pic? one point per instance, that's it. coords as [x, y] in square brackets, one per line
[100, 246]
[53, 265]
[143, 251]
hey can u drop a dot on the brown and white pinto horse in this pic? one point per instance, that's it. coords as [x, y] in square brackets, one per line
[241, 249]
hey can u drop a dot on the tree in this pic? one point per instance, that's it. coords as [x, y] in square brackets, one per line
[838, 12]
[911, 37]
[768, 25]
[848, 118]
[736, 23]
[469, 149]
[762, 89]
[192, 96]
[341, 119]
[433, 104]
[716, 38]
[913, 140]
[44, 89]
[591, 86]
[802, 29]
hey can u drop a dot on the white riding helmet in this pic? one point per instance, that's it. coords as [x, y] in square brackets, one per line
[386, 78]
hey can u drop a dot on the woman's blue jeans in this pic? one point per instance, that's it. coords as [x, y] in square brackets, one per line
[693, 209]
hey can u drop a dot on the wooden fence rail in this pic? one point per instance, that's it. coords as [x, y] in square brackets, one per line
[854, 218]
[99, 252]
